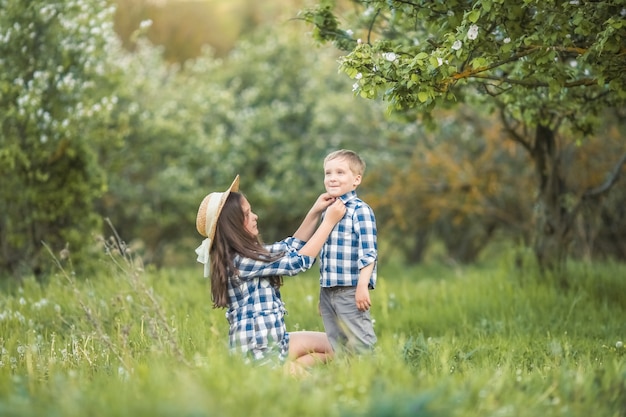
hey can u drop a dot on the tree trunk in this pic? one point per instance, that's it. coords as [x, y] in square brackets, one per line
[554, 220]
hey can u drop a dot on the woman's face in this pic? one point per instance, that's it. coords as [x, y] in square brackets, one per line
[249, 218]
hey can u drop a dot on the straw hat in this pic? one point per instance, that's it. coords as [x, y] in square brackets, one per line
[206, 221]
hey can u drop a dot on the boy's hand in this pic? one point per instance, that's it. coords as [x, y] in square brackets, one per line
[363, 302]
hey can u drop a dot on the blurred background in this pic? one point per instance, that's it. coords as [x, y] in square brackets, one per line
[118, 118]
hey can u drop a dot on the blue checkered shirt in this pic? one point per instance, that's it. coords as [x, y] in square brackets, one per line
[350, 246]
[255, 309]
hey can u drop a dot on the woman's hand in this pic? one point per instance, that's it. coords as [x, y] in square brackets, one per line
[335, 212]
[322, 203]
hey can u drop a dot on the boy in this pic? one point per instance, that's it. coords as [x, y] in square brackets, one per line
[348, 259]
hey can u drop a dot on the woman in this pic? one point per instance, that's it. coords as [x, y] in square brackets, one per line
[246, 274]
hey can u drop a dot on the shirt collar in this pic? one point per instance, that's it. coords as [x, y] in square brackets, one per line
[350, 195]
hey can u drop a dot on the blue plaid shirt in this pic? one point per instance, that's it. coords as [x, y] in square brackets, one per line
[350, 246]
[255, 309]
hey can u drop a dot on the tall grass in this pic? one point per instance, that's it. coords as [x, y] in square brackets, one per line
[489, 340]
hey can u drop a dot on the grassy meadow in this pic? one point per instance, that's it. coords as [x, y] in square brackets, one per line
[486, 340]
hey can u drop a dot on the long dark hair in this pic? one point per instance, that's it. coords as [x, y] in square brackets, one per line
[231, 238]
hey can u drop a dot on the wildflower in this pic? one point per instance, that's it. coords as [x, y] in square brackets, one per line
[65, 253]
[439, 61]
[457, 45]
[358, 76]
[507, 40]
[355, 86]
[145, 24]
[619, 344]
[390, 56]
[472, 33]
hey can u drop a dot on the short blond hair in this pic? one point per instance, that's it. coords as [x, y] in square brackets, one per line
[356, 164]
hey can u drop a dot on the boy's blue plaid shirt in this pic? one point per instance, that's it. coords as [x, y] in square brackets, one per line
[351, 245]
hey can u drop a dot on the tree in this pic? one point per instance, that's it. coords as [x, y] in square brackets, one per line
[55, 98]
[459, 187]
[549, 68]
[269, 111]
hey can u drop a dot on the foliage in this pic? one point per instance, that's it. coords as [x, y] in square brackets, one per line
[189, 130]
[90, 130]
[532, 56]
[153, 182]
[280, 112]
[472, 341]
[549, 68]
[56, 95]
[463, 185]
[459, 186]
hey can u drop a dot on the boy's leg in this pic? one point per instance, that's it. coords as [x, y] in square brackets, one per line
[335, 334]
[353, 329]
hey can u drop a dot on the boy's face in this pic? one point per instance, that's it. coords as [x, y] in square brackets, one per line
[339, 178]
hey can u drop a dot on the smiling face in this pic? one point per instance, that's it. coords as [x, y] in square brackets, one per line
[339, 178]
[249, 218]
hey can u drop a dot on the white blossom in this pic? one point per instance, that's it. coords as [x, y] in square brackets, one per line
[472, 33]
[358, 76]
[390, 56]
[507, 40]
[457, 45]
[439, 61]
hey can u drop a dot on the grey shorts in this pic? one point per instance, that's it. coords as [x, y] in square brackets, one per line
[347, 328]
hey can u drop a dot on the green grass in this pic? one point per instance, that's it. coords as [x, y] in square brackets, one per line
[453, 341]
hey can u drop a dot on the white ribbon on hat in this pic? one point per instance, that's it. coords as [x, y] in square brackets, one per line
[205, 247]
[203, 256]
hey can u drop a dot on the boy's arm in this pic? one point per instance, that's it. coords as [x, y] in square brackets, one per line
[363, 302]
[366, 225]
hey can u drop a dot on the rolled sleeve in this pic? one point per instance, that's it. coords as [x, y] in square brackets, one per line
[365, 225]
[291, 263]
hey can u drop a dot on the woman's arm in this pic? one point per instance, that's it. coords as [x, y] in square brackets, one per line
[312, 218]
[334, 213]
[293, 262]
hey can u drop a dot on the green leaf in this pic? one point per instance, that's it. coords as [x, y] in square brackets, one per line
[474, 15]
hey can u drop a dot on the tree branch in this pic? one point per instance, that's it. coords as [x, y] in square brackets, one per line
[609, 182]
[584, 82]
[470, 72]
